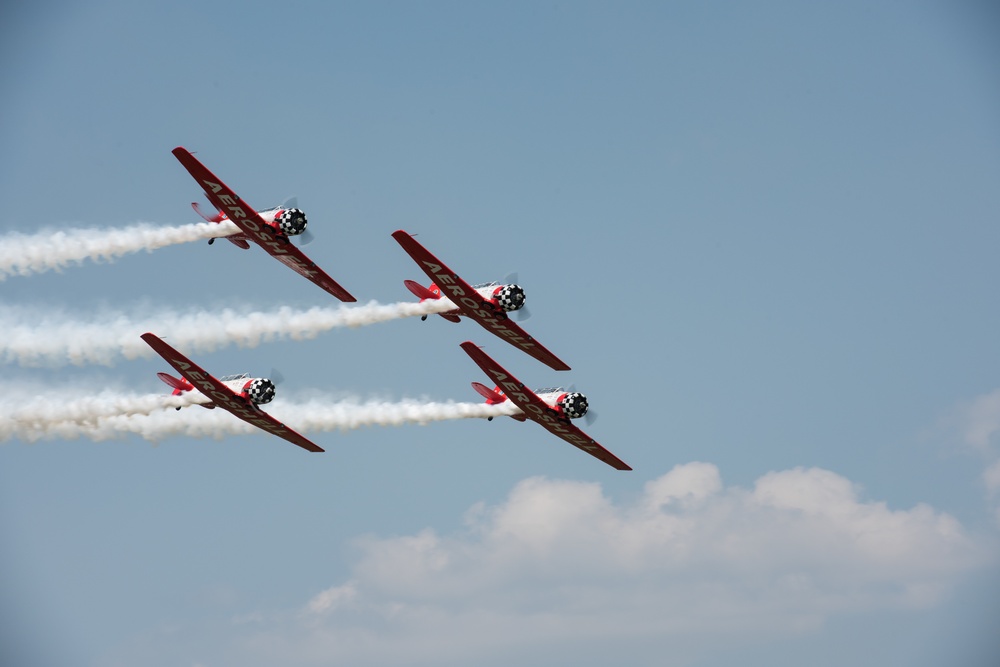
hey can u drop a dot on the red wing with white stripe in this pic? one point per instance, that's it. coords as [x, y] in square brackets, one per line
[554, 417]
[269, 229]
[243, 405]
[487, 304]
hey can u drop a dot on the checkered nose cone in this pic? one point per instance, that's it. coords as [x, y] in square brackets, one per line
[292, 221]
[261, 391]
[574, 405]
[510, 297]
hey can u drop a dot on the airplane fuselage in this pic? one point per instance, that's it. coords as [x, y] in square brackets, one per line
[241, 385]
[269, 216]
[488, 292]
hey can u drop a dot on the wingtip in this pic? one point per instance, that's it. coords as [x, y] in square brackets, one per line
[344, 295]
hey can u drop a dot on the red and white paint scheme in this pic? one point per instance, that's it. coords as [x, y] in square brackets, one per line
[487, 303]
[286, 219]
[270, 228]
[553, 407]
[500, 297]
[259, 390]
[239, 394]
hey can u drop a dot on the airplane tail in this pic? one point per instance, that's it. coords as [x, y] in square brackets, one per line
[218, 217]
[237, 239]
[180, 386]
[494, 397]
[420, 291]
[425, 293]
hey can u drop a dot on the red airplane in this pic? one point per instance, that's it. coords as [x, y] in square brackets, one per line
[553, 407]
[269, 229]
[237, 394]
[488, 304]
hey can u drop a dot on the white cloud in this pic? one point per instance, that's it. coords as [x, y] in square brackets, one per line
[978, 423]
[684, 484]
[992, 478]
[979, 420]
[332, 598]
[560, 573]
[558, 563]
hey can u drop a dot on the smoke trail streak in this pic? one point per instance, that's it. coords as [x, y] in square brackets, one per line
[315, 415]
[34, 337]
[40, 410]
[27, 254]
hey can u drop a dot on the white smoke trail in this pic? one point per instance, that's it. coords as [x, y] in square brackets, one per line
[36, 337]
[40, 409]
[319, 415]
[151, 420]
[25, 413]
[26, 254]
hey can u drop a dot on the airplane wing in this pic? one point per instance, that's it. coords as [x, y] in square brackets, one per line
[224, 397]
[474, 306]
[246, 218]
[538, 410]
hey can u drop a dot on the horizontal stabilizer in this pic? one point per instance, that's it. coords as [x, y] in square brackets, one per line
[492, 396]
[215, 218]
[176, 383]
[419, 290]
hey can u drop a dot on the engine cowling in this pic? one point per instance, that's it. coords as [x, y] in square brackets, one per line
[573, 404]
[260, 391]
[292, 221]
[509, 297]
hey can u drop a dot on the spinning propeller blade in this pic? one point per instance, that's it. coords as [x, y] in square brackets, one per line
[306, 237]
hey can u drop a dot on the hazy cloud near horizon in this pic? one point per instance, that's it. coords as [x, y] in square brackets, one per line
[687, 558]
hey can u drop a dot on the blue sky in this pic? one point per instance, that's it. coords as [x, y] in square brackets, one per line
[763, 236]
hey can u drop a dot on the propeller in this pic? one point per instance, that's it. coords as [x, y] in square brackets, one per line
[591, 415]
[276, 376]
[522, 313]
[306, 237]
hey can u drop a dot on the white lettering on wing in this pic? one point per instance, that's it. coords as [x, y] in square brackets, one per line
[458, 294]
